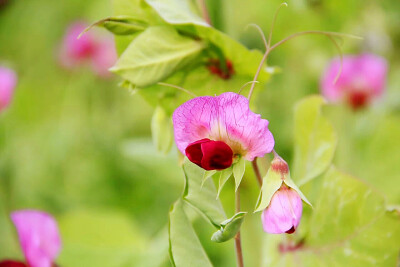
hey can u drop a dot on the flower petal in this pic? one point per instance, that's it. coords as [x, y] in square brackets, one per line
[73, 50]
[11, 263]
[226, 118]
[283, 213]
[8, 80]
[39, 237]
[192, 120]
[366, 71]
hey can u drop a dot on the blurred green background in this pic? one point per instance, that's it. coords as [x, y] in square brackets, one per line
[79, 147]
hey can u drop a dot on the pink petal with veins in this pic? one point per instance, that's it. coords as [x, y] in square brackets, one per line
[226, 118]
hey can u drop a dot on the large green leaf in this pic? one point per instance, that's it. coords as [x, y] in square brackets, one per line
[348, 227]
[156, 54]
[185, 247]
[315, 140]
[95, 239]
[177, 11]
[201, 196]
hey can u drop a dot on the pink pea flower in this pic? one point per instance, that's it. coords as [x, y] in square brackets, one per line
[75, 51]
[39, 239]
[8, 81]
[362, 79]
[283, 214]
[95, 50]
[104, 57]
[213, 130]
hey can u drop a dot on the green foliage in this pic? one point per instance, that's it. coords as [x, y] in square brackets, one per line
[185, 248]
[99, 239]
[224, 175]
[161, 130]
[348, 227]
[156, 54]
[238, 171]
[315, 140]
[201, 196]
[229, 228]
[121, 25]
[177, 12]
[272, 181]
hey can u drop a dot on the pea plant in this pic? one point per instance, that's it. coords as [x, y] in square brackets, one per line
[201, 83]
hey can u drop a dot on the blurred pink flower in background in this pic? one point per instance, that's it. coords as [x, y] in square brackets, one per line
[95, 50]
[211, 130]
[8, 81]
[284, 212]
[39, 238]
[362, 79]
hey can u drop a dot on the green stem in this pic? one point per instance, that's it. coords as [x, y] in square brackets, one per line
[238, 243]
[257, 171]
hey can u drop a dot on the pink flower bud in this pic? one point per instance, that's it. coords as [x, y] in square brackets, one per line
[283, 214]
[8, 80]
[38, 236]
[362, 79]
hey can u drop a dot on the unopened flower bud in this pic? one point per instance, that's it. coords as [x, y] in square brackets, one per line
[283, 214]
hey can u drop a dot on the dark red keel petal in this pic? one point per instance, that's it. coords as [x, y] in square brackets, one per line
[291, 230]
[11, 263]
[216, 155]
[194, 153]
[358, 99]
[209, 154]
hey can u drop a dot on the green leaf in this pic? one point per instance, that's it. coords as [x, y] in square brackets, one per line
[272, 181]
[229, 228]
[161, 130]
[185, 248]
[238, 171]
[289, 182]
[224, 175]
[156, 54]
[315, 140]
[348, 227]
[178, 11]
[202, 197]
[207, 174]
[99, 238]
[121, 25]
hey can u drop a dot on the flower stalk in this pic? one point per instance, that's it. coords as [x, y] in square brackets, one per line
[238, 242]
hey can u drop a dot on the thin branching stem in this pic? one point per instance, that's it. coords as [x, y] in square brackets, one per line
[273, 22]
[261, 34]
[178, 87]
[244, 85]
[204, 11]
